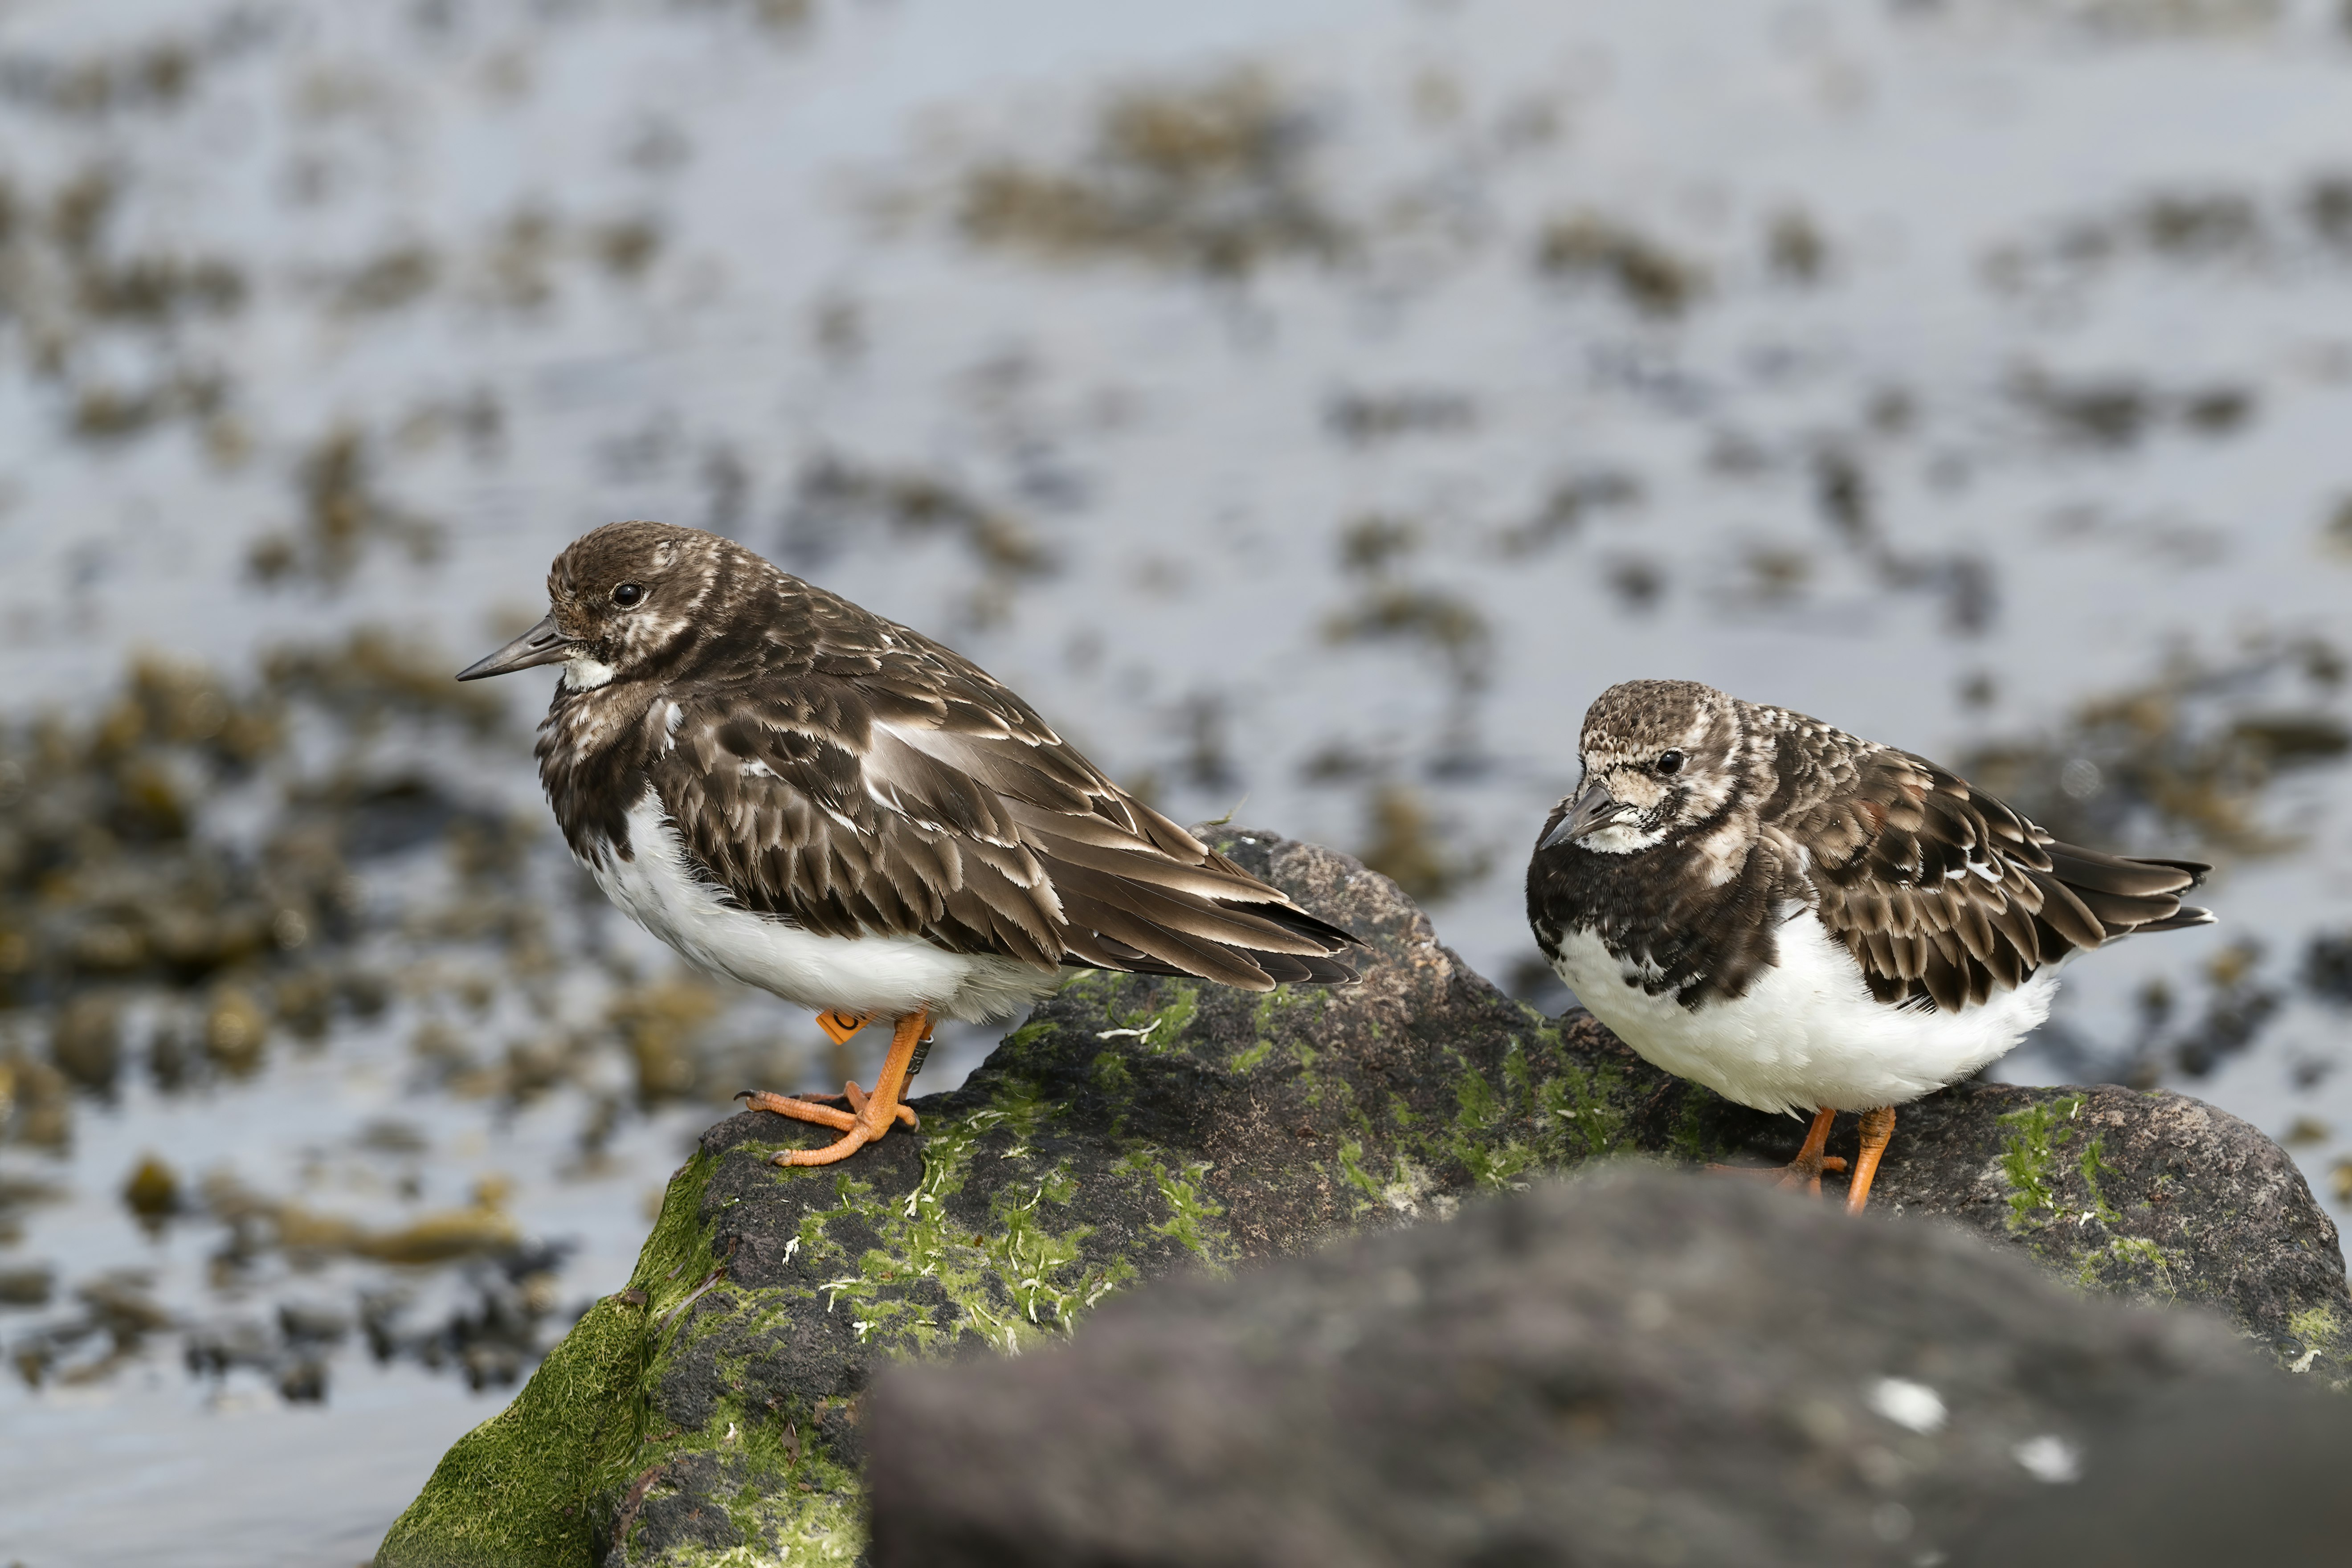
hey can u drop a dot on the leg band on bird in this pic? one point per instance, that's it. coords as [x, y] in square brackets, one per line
[839, 1025]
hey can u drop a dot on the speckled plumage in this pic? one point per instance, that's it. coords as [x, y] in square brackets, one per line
[822, 768]
[1951, 910]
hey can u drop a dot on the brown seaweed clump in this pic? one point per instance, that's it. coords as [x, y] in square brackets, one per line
[839, 496]
[2192, 752]
[77, 300]
[137, 928]
[1214, 177]
[2211, 228]
[1643, 272]
[2115, 413]
[343, 513]
[1410, 847]
[1392, 606]
[115, 888]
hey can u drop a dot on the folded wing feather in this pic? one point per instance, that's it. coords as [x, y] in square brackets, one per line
[1946, 896]
[850, 812]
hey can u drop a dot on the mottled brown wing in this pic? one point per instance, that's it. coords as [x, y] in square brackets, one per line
[919, 797]
[1944, 895]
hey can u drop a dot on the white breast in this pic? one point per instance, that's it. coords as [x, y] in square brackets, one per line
[1807, 1033]
[886, 976]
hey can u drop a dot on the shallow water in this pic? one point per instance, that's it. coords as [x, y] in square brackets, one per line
[1309, 408]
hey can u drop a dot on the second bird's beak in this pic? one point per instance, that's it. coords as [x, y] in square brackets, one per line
[1596, 808]
[544, 644]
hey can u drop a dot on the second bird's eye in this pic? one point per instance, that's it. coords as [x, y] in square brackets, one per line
[628, 595]
[1670, 762]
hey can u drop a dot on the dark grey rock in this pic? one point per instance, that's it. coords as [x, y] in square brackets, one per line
[1139, 1127]
[2208, 1476]
[688, 1512]
[2152, 1196]
[1638, 1368]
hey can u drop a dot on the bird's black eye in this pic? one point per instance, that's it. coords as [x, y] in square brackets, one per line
[628, 595]
[1670, 762]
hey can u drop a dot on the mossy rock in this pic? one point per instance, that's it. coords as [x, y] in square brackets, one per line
[1137, 1125]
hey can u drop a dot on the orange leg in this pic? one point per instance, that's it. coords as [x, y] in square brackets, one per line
[1805, 1169]
[802, 1107]
[838, 1028]
[812, 1107]
[1877, 1130]
[869, 1116]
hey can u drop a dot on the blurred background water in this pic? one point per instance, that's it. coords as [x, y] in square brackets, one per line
[1308, 407]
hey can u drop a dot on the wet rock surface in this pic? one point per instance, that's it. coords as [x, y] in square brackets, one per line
[1633, 1368]
[1139, 1127]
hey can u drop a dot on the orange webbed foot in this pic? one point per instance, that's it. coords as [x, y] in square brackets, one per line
[870, 1115]
[802, 1108]
[1805, 1169]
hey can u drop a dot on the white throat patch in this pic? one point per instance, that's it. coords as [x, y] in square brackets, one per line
[1622, 838]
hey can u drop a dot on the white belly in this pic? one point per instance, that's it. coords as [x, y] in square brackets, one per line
[885, 975]
[1808, 1033]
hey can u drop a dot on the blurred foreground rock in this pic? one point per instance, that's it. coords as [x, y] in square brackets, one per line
[1139, 1125]
[2203, 1475]
[1639, 1368]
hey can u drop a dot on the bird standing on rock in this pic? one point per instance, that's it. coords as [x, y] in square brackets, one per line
[793, 792]
[1805, 922]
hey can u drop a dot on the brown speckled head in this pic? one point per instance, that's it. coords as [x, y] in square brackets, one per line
[1638, 718]
[1665, 752]
[628, 591]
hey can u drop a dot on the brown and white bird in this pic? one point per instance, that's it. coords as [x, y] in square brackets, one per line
[800, 794]
[1809, 923]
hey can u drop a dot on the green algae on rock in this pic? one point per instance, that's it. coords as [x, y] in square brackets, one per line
[1138, 1126]
[2151, 1195]
[519, 1488]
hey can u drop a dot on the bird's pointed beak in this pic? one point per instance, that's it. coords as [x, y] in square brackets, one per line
[1596, 808]
[544, 644]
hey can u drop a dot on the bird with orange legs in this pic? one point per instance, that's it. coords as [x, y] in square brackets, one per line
[799, 794]
[1809, 923]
